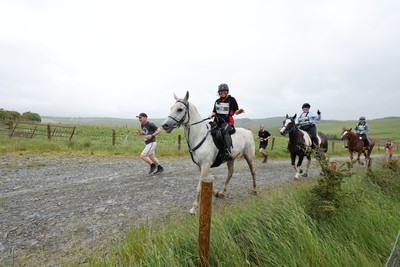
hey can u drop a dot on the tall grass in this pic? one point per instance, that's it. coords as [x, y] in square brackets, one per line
[275, 229]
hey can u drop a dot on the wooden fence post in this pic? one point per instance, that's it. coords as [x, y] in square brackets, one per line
[333, 146]
[333, 165]
[205, 221]
[10, 128]
[113, 137]
[72, 135]
[272, 143]
[48, 131]
[179, 142]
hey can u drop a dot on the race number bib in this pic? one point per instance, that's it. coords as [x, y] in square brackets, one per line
[222, 108]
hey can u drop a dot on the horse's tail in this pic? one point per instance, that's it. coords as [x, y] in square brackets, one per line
[324, 141]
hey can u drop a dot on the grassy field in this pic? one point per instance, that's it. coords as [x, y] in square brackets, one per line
[97, 139]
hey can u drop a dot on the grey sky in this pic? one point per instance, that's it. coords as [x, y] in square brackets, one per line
[118, 58]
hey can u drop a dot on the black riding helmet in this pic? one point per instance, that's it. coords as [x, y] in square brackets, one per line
[306, 105]
[223, 87]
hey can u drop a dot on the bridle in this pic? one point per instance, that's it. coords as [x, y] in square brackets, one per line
[181, 122]
[289, 130]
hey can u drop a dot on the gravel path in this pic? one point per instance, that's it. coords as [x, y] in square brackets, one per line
[53, 206]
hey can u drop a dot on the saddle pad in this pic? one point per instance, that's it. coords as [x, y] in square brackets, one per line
[307, 138]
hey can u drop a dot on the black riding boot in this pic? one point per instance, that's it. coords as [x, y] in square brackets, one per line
[227, 146]
[314, 141]
[366, 143]
[315, 146]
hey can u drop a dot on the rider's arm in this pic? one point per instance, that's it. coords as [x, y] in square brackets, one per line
[239, 111]
[366, 129]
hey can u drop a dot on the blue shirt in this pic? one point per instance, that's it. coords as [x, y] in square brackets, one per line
[307, 118]
[361, 128]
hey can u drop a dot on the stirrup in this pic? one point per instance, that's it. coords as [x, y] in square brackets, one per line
[228, 155]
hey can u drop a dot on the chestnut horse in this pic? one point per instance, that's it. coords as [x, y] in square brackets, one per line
[355, 144]
[300, 145]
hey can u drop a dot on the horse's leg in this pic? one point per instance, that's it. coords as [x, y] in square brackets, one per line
[253, 172]
[293, 161]
[221, 193]
[203, 175]
[351, 154]
[298, 168]
[366, 156]
[358, 157]
[308, 166]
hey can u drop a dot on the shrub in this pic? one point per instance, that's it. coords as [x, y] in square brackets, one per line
[325, 196]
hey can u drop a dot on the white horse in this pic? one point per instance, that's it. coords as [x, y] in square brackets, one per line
[201, 144]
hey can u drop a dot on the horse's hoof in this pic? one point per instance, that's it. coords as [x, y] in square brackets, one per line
[220, 195]
[305, 175]
[192, 211]
[254, 192]
[361, 163]
[296, 178]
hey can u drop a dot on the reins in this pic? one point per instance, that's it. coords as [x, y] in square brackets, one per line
[350, 137]
[180, 122]
[291, 129]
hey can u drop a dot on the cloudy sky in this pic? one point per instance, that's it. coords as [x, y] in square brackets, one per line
[101, 58]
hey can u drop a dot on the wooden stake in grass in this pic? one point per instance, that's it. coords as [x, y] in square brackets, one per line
[205, 221]
[333, 165]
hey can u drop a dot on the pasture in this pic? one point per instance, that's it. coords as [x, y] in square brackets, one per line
[97, 139]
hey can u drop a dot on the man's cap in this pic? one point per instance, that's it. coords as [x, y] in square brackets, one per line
[141, 115]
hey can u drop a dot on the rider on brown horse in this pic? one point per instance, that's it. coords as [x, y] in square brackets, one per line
[361, 129]
[306, 123]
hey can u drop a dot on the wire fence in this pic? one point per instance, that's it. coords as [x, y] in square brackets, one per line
[37, 130]
[62, 132]
[394, 258]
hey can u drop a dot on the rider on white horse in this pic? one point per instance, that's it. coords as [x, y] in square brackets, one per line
[306, 123]
[224, 109]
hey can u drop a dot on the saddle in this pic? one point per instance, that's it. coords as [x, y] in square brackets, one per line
[216, 133]
[308, 141]
[366, 146]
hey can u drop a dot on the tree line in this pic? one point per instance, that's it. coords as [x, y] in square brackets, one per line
[6, 115]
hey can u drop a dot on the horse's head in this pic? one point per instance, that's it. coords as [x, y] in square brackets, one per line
[179, 114]
[345, 134]
[288, 125]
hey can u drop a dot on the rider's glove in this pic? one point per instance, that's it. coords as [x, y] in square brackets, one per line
[319, 112]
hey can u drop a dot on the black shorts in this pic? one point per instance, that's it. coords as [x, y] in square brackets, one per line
[263, 145]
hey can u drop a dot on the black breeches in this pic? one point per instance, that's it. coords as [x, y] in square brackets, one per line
[364, 138]
[312, 131]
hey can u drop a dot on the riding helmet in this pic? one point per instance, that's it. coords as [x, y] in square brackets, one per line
[223, 87]
[306, 105]
[362, 118]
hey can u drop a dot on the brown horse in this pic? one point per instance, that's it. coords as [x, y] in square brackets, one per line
[355, 144]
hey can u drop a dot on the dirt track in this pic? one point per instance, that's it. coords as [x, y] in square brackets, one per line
[53, 206]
